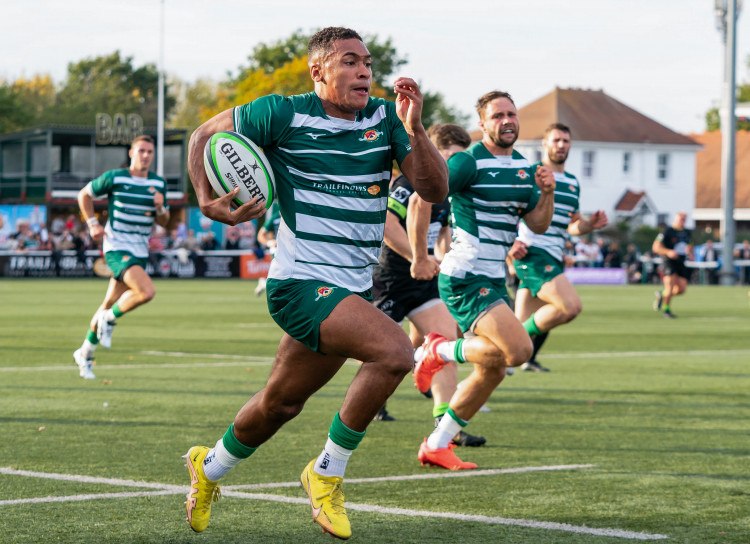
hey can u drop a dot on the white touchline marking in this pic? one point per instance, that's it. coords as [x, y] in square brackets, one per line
[431, 476]
[90, 497]
[231, 491]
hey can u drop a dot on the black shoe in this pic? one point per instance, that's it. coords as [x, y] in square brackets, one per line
[534, 366]
[383, 415]
[669, 315]
[468, 440]
[428, 393]
[657, 300]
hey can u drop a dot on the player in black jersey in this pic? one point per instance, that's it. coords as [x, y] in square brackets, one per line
[405, 286]
[674, 246]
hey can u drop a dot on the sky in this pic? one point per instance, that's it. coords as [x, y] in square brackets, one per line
[663, 58]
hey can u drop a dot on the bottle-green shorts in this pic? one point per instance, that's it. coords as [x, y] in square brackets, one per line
[120, 261]
[300, 306]
[470, 298]
[535, 269]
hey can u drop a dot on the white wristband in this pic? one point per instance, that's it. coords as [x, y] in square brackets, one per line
[92, 221]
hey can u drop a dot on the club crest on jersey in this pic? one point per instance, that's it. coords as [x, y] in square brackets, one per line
[373, 189]
[522, 174]
[151, 190]
[323, 292]
[371, 136]
[573, 188]
[483, 292]
[548, 268]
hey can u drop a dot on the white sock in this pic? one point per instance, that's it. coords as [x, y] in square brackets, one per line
[418, 354]
[443, 434]
[109, 315]
[447, 350]
[218, 461]
[332, 460]
[88, 349]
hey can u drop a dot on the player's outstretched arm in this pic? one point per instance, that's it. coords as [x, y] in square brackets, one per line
[219, 209]
[424, 166]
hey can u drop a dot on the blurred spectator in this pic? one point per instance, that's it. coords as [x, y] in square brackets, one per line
[247, 236]
[582, 254]
[598, 252]
[71, 223]
[613, 259]
[633, 263]
[190, 242]
[743, 252]
[158, 240]
[569, 250]
[57, 226]
[209, 242]
[82, 243]
[232, 239]
[45, 241]
[708, 254]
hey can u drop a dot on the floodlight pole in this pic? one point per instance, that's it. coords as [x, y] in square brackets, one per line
[160, 107]
[726, 13]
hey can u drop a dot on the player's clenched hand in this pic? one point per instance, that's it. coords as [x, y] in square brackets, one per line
[545, 179]
[409, 102]
[599, 219]
[518, 250]
[96, 232]
[424, 269]
[221, 209]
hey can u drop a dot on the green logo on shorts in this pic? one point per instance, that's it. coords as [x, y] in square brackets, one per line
[323, 292]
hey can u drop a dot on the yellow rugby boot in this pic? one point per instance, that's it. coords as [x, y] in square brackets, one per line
[202, 490]
[327, 502]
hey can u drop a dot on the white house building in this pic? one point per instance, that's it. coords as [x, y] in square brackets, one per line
[628, 164]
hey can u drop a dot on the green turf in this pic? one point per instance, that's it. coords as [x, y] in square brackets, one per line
[661, 408]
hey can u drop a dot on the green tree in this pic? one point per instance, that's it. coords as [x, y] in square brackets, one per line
[713, 119]
[13, 116]
[289, 55]
[108, 84]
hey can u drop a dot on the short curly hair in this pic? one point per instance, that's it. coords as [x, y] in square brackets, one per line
[322, 41]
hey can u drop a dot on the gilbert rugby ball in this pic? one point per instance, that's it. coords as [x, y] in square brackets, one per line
[232, 160]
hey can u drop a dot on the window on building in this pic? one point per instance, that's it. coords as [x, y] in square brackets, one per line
[662, 166]
[538, 155]
[626, 159]
[589, 158]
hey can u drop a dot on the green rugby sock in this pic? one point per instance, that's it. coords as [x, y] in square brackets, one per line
[343, 435]
[234, 446]
[91, 337]
[440, 409]
[530, 326]
[116, 310]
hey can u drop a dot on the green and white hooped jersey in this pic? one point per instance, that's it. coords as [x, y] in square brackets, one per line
[131, 209]
[567, 202]
[332, 178]
[488, 195]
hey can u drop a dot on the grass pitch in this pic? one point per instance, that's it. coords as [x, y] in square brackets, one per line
[639, 433]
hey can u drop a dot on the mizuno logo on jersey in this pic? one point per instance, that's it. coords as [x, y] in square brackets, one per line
[493, 174]
[313, 135]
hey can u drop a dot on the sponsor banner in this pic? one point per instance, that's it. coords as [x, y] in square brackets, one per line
[168, 264]
[596, 276]
[251, 267]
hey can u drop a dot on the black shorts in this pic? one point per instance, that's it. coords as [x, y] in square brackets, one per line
[676, 266]
[397, 295]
